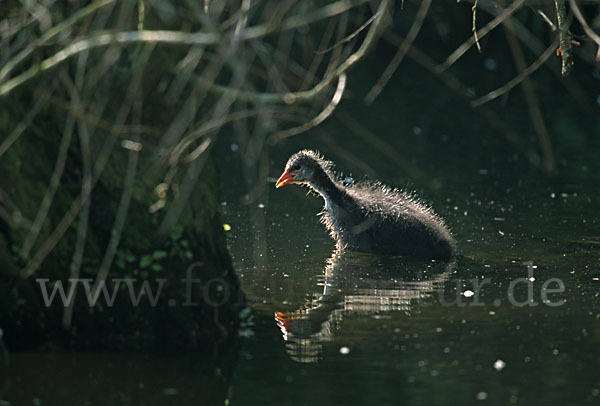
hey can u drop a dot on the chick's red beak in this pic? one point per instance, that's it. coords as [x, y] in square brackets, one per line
[284, 179]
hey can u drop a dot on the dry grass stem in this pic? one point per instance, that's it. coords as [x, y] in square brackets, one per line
[533, 105]
[517, 79]
[399, 56]
[460, 51]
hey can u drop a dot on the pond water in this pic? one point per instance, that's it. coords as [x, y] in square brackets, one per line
[515, 319]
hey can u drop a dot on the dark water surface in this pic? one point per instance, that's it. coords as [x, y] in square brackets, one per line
[514, 320]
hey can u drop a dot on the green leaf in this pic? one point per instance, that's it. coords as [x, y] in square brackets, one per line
[156, 267]
[176, 232]
[145, 261]
[159, 254]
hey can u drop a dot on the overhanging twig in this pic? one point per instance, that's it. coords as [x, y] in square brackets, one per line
[533, 105]
[565, 37]
[460, 51]
[337, 96]
[518, 79]
[397, 59]
[594, 37]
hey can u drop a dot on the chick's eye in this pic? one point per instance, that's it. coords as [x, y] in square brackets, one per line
[294, 167]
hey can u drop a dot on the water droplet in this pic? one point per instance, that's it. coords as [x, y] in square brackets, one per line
[499, 365]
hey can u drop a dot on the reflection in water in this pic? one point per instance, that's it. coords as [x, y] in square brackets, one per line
[360, 284]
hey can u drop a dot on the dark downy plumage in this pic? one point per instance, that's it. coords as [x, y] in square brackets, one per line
[368, 217]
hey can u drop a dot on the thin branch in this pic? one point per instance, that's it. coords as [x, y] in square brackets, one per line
[115, 234]
[100, 163]
[57, 234]
[105, 39]
[385, 148]
[309, 95]
[22, 126]
[204, 129]
[53, 32]
[518, 79]
[316, 62]
[349, 37]
[546, 19]
[565, 37]
[460, 51]
[86, 184]
[533, 105]
[331, 10]
[221, 109]
[401, 53]
[167, 37]
[54, 180]
[337, 54]
[184, 117]
[474, 27]
[134, 148]
[459, 88]
[537, 47]
[335, 100]
[595, 37]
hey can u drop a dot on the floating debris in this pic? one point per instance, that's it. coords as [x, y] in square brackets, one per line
[499, 365]
[468, 293]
